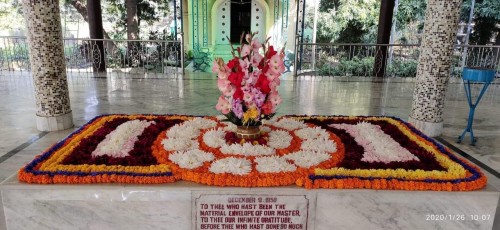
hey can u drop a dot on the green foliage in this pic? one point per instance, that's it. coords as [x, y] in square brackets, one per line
[347, 21]
[364, 67]
[11, 15]
[486, 17]
[231, 117]
[410, 11]
[324, 5]
[400, 68]
[148, 11]
[345, 67]
[190, 55]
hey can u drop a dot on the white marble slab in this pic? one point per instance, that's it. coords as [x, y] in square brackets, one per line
[170, 206]
[352, 209]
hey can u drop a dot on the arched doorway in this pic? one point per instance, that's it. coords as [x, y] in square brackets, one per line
[231, 18]
[240, 19]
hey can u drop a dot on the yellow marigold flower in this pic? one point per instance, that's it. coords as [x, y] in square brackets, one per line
[252, 113]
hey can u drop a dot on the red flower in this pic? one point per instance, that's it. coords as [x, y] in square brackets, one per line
[235, 62]
[238, 94]
[271, 52]
[236, 78]
[263, 84]
[267, 108]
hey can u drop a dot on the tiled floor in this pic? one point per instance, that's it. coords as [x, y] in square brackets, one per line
[197, 94]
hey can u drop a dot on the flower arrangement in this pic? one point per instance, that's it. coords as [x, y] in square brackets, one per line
[309, 151]
[249, 82]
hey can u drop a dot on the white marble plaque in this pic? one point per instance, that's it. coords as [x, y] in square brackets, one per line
[250, 211]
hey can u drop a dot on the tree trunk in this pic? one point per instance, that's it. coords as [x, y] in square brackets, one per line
[132, 20]
[132, 33]
[82, 10]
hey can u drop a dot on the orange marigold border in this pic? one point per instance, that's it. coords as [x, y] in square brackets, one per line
[307, 178]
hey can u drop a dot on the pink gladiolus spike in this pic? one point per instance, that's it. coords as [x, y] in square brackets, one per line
[245, 50]
[223, 84]
[275, 60]
[248, 38]
[275, 98]
[256, 45]
[223, 105]
[256, 59]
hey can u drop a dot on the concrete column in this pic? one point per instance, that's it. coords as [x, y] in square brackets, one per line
[48, 64]
[433, 72]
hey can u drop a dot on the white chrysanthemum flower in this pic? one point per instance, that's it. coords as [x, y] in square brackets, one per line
[312, 133]
[230, 127]
[279, 139]
[179, 144]
[321, 145]
[273, 164]
[247, 149]
[378, 146]
[183, 131]
[265, 129]
[220, 117]
[201, 123]
[270, 121]
[290, 124]
[191, 159]
[308, 158]
[120, 141]
[233, 165]
[214, 138]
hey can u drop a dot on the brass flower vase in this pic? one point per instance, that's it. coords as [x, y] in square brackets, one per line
[248, 132]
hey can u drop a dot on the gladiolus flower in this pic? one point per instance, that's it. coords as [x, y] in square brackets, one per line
[256, 59]
[237, 108]
[248, 96]
[245, 51]
[223, 105]
[267, 108]
[234, 63]
[263, 84]
[236, 78]
[256, 45]
[238, 94]
[275, 98]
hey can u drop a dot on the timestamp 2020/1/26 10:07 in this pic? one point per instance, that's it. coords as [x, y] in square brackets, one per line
[457, 217]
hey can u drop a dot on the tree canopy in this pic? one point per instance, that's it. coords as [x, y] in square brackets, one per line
[348, 20]
[486, 19]
[355, 21]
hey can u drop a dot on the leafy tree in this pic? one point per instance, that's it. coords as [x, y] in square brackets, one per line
[11, 15]
[128, 15]
[348, 20]
[410, 11]
[486, 18]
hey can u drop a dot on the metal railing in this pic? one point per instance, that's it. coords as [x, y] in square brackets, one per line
[475, 56]
[330, 59]
[323, 59]
[14, 54]
[83, 55]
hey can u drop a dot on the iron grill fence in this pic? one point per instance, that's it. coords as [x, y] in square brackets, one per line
[329, 59]
[320, 59]
[83, 55]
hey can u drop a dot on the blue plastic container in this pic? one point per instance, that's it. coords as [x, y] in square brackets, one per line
[478, 74]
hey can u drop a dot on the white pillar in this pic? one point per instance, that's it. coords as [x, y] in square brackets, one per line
[48, 64]
[433, 72]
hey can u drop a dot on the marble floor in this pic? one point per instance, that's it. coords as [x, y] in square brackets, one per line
[93, 95]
